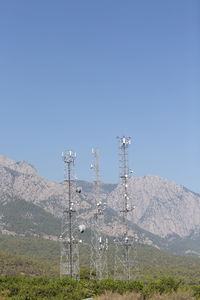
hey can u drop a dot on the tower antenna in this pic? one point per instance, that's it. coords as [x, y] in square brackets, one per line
[69, 254]
[99, 244]
[125, 251]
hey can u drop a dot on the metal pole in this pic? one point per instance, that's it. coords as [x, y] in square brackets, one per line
[69, 256]
[124, 242]
[70, 220]
[99, 245]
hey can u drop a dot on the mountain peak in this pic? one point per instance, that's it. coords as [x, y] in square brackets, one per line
[162, 206]
[6, 162]
[21, 166]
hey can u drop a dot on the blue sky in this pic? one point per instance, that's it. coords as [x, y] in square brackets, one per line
[76, 74]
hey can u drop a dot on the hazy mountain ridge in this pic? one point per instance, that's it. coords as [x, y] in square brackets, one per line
[165, 211]
[21, 167]
[161, 206]
[22, 180]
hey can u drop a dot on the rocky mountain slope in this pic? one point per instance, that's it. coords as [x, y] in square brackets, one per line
[21, 180]
[162, 207]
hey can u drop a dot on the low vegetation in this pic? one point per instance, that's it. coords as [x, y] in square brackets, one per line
[180, 295]
[18, 287]
[29, 269]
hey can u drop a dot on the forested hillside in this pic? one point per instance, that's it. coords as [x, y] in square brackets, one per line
[153, 263]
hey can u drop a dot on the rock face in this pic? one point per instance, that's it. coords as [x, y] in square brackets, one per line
[21, 167]
[21, 180]
[161, 206]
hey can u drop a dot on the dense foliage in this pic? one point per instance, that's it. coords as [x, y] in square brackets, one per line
[33, 257]
[43, 288]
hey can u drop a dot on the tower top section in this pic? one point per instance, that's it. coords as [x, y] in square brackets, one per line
[95, 163]
[124, 141]
[68, 156]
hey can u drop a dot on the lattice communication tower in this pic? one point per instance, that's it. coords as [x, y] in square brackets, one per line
[126, 266]
[69, 254]
[99, 244]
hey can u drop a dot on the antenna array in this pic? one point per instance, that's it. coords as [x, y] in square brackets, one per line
[125, 252]
[69, 255]
[125, 260]
[99, 244]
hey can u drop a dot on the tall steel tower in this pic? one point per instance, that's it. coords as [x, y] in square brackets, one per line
[69, 255]
[95, 164]
[125, 256]
[99, 244]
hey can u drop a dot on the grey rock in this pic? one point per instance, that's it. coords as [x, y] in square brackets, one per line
[162, 207]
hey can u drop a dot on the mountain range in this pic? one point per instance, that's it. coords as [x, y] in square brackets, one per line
[165, 214]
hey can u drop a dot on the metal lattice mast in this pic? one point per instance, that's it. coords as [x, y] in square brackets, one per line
[99, 244]
[95, 165]
[69, 255]
[125, 267]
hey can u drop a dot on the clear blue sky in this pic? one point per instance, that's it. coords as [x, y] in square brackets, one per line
[75, 74]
